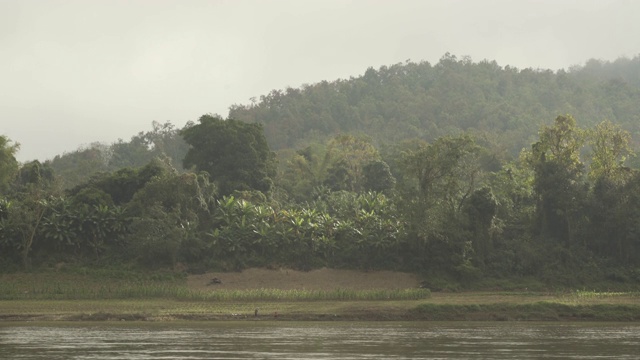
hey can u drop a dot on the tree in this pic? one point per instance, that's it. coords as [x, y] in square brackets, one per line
[77, 167]
[123, 184]
[22, 224]
[480, 211]
[612, 230]
[164, 141]
[609, 150]
[445, 171]
[8, 162]
[34, 173]
[170, 215]
[33, 187]
[377, 176]
[437, 180]
[555, 159]
[235, 154]
[348, 155]
[304, 172]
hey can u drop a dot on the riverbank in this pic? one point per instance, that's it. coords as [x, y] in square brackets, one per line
[287, 295]
[475, 306]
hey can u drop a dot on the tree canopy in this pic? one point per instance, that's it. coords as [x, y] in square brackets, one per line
[8, 162]
[235, 154]
[428, 101]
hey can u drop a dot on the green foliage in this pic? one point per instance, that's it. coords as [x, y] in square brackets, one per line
[155, 239]
[348, 155]
[149, 287]
[304, 171]
[428, 101]
[343, 230]
[480, 210]
[77, 167]
[610, 149]
[162, 142]
[437, 180]
[21, 222]
[339, 164]
[613, 212]
[83, 229]
[235, 154]
[92, 196]
[558, 174]
[32, 191]
[446, 195]
[169, 214]
[34, 174]
[8, 162]
[366, 229]
[123, 184]
[377, 176]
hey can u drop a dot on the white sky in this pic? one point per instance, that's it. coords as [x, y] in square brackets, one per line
[76, 72]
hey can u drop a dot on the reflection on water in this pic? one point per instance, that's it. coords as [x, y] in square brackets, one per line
[319, 340]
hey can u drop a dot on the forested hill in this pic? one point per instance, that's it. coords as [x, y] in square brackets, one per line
[428, 101]
[454, 207]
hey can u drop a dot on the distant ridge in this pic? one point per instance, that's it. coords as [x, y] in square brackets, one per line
[407, 100]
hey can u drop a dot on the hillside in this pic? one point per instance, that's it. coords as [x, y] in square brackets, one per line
[409, 100]
[460, 171]
[503, 105]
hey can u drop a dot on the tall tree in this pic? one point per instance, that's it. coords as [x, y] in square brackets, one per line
[8, 162]
[480, 211]
[348, 156]
[235, 154]
[555, 159]
[33, 187]
[438, 178]
[612, 226]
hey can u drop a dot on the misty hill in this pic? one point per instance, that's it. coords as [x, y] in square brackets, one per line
[407, 100]
[503, 105]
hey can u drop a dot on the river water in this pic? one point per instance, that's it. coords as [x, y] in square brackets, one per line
[319, 340]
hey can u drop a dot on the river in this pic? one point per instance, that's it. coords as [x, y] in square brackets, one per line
[319, 340]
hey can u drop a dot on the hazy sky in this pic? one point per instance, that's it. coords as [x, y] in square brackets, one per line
[76, 72]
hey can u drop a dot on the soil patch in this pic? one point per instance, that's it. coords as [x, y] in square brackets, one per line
[320, 279]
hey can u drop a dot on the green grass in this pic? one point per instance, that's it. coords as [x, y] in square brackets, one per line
[73, 287]
[58, 292]
[593, 294]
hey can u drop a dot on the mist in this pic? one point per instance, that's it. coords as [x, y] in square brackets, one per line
[76, 72]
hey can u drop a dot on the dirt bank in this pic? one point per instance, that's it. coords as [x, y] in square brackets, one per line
[320, 279]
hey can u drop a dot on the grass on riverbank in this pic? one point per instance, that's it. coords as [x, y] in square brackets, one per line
[144, 291]
[158, 297]
[73, 287]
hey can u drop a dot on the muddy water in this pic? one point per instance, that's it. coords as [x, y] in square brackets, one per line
[318, 340]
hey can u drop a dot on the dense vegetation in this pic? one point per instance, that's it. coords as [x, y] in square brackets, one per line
[461, 171]
[503, 105]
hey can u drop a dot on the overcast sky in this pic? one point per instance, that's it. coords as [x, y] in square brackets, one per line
[76, 72]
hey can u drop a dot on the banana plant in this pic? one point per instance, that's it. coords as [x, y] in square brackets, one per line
[100, 226]
[60, 224]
